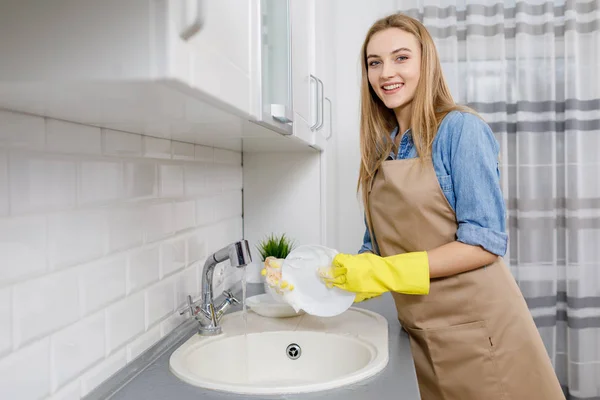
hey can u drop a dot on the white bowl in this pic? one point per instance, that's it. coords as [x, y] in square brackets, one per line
[267, 306]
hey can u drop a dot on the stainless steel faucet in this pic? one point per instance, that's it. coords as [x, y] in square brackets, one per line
[208, 317]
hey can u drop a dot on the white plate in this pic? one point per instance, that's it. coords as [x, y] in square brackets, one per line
[300, 268]
[267, 306]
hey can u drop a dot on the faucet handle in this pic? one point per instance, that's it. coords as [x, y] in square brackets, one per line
[230, 297]
[189, 307]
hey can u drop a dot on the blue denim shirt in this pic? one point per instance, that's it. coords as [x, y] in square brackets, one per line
[465, 159]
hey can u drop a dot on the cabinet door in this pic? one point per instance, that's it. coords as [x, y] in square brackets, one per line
[208, 48]
[304, 86]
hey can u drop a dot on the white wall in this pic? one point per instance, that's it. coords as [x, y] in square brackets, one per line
[102, 235]
[281, 196]
[353, 19]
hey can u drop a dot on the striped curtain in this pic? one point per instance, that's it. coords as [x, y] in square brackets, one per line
[531, 68]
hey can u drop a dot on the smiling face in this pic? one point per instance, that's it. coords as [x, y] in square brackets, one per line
[393, 67]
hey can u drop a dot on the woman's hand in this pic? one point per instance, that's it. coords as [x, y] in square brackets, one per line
[369, 273]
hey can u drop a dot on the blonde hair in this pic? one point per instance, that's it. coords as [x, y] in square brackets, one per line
[431, 102]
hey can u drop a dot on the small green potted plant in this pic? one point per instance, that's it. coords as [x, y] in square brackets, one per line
[274, 246]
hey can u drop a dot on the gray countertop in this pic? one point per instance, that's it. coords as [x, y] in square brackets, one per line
[396, 381]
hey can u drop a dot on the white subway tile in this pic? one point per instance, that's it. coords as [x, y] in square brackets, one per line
[229, 177]
[21, 130]
[171, 181]
[143, 343]
[160, 300]
[69, 137]
[196, 247]
[185, 215]
[125, 228]
[76, 348]
[41, 183]
[5, 320]
[157, 148]
[183, 151]
[158, 221]
[195, 179]
[124, 320]
[228, 205]
[3, 184]
[25, 374]
[102, 282]
[143, 268]
[186, 283]
[228, 157]
[172, 256]
[203, 153]
[140, 180]
[70, 392]
[118, 143]
[22, 244]
[76, 237]
[100, 181]
[213, 177]
[44, 305]
[205, 210]
[173, 321]
[98, 374]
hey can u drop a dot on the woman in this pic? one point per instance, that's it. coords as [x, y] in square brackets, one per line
[436, 229]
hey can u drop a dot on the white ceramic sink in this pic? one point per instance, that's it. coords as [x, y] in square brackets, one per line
[286, 355]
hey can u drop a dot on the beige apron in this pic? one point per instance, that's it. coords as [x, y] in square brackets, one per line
[472, 337]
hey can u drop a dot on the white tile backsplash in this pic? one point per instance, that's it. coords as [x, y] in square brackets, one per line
[101, 372]
[100, 181]
[41, 183]
[171, 181]
[142, 343]
[157, 148]
[160, 301]
[76, 348]
[140, 180]
[22, 248]
[117, 143]
[72, 391]
[25, 374]
[76, 237]
[112, 273]
[68, 137]
[21, 131]
[172, 256]
[144, 268]
[102, 234]
[185, 215]
[204, 153]
[124, 321]
[44, 305]
[183, 151]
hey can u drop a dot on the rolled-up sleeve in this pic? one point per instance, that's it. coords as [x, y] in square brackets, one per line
[480, 208]
[367, 245]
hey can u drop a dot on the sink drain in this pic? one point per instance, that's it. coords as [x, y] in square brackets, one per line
[293, 351]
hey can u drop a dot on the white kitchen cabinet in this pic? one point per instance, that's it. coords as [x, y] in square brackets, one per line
[203, 45]
[292, 97]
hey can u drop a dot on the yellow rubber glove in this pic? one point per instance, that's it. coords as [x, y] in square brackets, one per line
[371, 274]
[365, 296]
[272, 274]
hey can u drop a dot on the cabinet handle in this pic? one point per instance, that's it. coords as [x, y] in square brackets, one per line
[313, 127]
[322, 105]
[330, 119]
[189, 29]
[320, 110]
